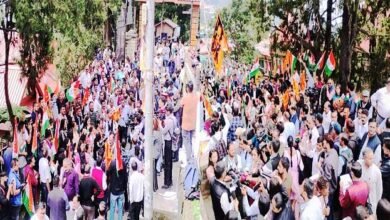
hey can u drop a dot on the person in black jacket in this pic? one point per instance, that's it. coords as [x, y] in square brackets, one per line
[88, 188]
[4, 196]
[220, 195]
[117, 185]
[385, 170]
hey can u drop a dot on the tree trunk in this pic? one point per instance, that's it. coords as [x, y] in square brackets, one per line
[328, 32]
[348, 35]
[7, 39]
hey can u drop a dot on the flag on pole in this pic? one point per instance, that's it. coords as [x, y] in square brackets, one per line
[295, 87]
[73, 91]
[86, 96]
[57, 135]
[293, 62]
[107, 154]
[28, 198]
[15, 145]
[219, 45]
[320, 63]
[45, 123]
[285, 99]
[47, 91]
[330, 64]
[34, 144]
[286, 62]
[118, 153]
[207, 106]
[303, 81]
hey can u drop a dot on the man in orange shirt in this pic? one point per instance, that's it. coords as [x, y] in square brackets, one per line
[189, 103]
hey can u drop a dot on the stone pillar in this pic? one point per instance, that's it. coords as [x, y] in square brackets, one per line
[194, 24]
[131, 43]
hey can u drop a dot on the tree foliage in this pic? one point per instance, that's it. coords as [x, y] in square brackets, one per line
[301, 26]
[245, 24]
[64, 32]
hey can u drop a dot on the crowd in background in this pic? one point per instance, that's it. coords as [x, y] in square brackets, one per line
[281, 152]
[81, 151]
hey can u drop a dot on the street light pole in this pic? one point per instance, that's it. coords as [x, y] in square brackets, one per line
[148, 77]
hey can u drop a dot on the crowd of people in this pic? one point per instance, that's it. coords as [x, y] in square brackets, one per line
[276, 151]
[81, 151]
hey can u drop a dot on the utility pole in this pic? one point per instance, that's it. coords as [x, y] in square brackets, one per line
[148, 77]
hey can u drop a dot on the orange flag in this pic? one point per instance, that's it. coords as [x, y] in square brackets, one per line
[219, 45]
[34, 145]
[86, 96]
[303, 81]
[286, 62]
[107, 154]
[285, 99]
[295, 88]
[207, 106]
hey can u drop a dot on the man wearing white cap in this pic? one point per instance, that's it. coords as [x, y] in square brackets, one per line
[365, 103]
[380, 101]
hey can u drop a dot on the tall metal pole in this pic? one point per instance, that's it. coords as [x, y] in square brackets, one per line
[148, 214]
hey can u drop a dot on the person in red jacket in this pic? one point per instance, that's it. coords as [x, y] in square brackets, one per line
[355, 194]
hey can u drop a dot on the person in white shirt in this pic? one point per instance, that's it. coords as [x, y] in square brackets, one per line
[373, 177]
[289, 127]
[380, 101]
[326, 117]
[311, 209]
[361, 123]
[218, 134]
[136, 191]
[261, 203]
[44, 175]
[232, 160]
[40, 213]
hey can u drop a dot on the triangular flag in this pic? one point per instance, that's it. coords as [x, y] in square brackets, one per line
[320, 63]
[86, 96]
[285, 99]
[330, 64]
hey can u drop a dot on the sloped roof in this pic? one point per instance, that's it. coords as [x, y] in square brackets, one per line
[16, 85]
[168, 22]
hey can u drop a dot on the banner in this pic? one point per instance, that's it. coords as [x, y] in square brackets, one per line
[219, 45]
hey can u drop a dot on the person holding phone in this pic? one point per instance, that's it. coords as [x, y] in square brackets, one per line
[14, 182]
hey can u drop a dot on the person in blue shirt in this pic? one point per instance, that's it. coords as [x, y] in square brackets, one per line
[7, 156]
[16, 190]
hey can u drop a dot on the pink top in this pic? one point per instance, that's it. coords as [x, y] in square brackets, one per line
[97, 174]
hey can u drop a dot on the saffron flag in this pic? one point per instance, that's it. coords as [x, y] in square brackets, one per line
[34, 145]
[86, 96]
[57, 135]
[107, 154]
[295, 88]
[73, 91]
[219, 45]
[303, 81]
[15, 145]
[28, 198]
[286, 62]
[285, 99]
[330, 64]
[207, 106]
[118, 153]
